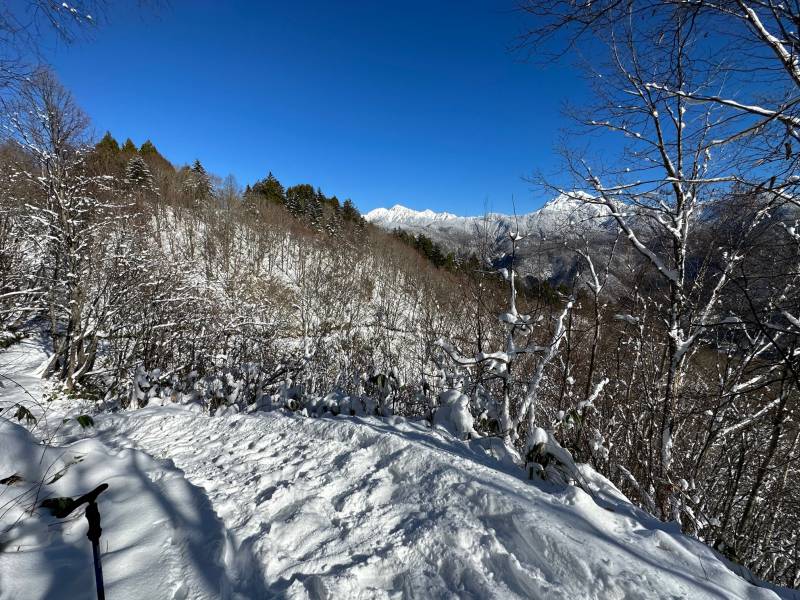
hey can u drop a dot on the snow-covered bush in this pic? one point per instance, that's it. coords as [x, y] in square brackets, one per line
[453, 415]
[545, 458]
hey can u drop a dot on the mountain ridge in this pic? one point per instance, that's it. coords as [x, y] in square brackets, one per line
[564, 202]
[564, 213]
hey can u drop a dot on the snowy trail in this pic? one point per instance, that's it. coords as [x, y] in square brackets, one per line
[275, 505]
[343, 508]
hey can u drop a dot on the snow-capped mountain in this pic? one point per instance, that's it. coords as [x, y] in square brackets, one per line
[556, 217]
[568, 210]
[400, 214]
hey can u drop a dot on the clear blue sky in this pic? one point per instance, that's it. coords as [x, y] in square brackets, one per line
[418, 103]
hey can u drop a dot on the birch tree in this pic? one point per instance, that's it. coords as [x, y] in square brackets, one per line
[698, 101]
[65, 215]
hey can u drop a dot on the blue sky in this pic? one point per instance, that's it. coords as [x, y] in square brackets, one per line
[418, 103]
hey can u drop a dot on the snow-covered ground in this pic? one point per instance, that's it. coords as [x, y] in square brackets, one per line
[279, 505]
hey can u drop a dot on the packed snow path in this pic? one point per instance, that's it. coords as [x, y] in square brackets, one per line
[343, 508]
[274, 505]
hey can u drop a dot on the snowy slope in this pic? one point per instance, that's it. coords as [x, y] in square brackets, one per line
[279, 505]
[161, 537]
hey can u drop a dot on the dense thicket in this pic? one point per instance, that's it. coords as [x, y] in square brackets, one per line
[156, 281]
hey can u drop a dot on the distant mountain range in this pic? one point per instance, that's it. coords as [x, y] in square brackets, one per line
[540, 251]
[559, 215]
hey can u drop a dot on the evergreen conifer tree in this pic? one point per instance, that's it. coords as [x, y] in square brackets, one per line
[129, 147]
[138, 176]
[107, 145]
[270, 189]
[350, 212]
[107, 157]
[154, 159]
[198, 184]
[335, 222]
[199, 169]
[148, 149]
[300, 200]
[314, 212]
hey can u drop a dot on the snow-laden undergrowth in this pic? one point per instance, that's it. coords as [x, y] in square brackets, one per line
[278, 505]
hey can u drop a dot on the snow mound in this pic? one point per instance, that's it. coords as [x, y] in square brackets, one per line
[453, 414]
[353, 508]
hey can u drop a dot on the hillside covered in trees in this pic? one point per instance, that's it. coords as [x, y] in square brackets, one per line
[600, 400]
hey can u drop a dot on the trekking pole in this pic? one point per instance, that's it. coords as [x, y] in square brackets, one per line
[93, 517]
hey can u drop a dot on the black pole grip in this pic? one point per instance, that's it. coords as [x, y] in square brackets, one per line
[62, 511]
[91, 497]
[93, 516]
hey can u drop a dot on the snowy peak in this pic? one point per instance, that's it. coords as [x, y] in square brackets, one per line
[570, 208]
[400, 214]
[567, 202]
[565, 210]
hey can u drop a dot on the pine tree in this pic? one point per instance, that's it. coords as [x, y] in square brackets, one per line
[320, 217]
[335, 222]
[154, 159]
[129, 147]
[270, 189]
[107, 158]
[293, 204]
[350, 212]
[148, 149]
[107, 145]
[199, 169]
[138, 176]
[299, 199]
[314, 212]
[198, 184]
